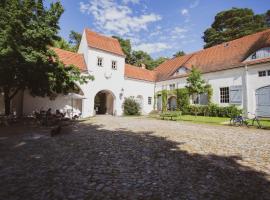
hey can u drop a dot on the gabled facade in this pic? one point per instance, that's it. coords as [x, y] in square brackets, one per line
[238, 71]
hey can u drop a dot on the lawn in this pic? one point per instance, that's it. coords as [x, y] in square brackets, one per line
[214, 120]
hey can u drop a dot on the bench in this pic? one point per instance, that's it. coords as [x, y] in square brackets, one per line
[171, 115]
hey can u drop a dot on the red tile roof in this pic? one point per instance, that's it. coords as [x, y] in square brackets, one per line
[102, 42]
[139, 73]
[71, 58]
[220, 57]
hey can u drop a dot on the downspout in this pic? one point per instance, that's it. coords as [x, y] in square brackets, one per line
[246, 88]
[155, 97]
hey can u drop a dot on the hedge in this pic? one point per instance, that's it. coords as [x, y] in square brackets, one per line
[212, 110]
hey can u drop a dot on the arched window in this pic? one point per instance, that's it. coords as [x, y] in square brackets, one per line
[261, 53]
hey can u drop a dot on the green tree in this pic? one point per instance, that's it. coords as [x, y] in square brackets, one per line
[27, 30]
[63, 44]
[179, 53]
[195, 82]
[75, 40]
[141, 57]
[126, 47]
[232, 24]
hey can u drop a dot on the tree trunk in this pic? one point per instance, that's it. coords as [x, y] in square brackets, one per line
[7, 101]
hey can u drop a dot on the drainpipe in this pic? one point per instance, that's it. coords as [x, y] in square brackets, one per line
[246, 88]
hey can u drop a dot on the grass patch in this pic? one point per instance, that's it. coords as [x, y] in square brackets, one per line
[265, 123]
[204, 119]
[214, 120]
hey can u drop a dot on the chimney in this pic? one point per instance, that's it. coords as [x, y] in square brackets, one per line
[142, 66]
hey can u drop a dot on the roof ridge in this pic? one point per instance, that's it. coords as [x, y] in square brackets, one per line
[67, 50]
[100, 34]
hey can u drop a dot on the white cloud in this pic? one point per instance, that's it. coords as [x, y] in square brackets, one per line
[152, 47]
[131, 1]
[194, 4]
[178, 33]
[185, 12]
[116, 18]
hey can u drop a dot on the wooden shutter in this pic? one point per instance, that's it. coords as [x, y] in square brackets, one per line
[236, 94]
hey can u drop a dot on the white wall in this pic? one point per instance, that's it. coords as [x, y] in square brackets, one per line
[255, 82]
[217, 80]
[228, 78]
[146, 89]
[31, 103]
[105, 79]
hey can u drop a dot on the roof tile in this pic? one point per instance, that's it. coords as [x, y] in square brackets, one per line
[71, 58]
[220, 57]
[102, 42]
[139, 73]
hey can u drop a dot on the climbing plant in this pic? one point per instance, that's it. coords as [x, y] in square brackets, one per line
[182, 99]
[164, 100]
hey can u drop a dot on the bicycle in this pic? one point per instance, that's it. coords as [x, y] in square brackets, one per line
[240, 121]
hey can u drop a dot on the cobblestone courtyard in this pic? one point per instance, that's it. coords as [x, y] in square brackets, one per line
[135, 158]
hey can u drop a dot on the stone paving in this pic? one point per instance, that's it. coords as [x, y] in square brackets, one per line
[134, 158]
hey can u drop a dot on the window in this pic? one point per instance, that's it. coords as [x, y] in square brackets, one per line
[195, 99]
[149, 100]
[114, 65]
[262, 73]
[100, 62]
[268, 72]
[172, 86]
[224, 95]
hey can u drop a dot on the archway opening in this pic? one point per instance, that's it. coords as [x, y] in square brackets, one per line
[172, 103]
[104, 103]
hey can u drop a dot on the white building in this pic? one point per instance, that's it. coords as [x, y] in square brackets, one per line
[238, 71]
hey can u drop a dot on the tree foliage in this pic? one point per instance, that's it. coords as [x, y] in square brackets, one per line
[234, 23]
[138, 57]
[71, 45]
[27, 30]
[131, 107]
[179, 53]
[195, 82]
[75, 39]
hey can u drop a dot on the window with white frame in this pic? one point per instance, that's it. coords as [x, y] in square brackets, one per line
[172, 86]
[262, 73]
[149, 100]
[114, 65]
[225, 95]
[268, 72]
[99, 61]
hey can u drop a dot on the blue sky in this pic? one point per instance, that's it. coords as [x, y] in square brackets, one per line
[159, 27]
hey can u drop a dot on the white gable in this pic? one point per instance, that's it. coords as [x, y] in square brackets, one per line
[180, 71]
[261, 53]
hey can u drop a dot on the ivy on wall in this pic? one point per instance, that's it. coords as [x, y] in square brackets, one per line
[164, 94]
[182, 97]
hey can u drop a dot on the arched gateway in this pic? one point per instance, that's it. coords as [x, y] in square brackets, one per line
[104, 102]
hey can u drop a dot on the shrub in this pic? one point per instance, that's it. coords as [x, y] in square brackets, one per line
[131, 107]
[182, 98]
[213, 110]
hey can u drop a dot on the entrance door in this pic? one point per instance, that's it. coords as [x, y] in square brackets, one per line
[263, 102]
[100, 103]
[104, 103]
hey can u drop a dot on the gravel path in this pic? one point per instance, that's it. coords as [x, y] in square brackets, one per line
[135, 158]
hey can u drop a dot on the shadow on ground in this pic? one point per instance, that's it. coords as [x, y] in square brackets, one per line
[90, 162]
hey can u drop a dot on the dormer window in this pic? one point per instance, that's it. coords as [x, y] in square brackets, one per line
[180, 71]
[254, 56]
[114, 65]
[100, 62]
[259, 54]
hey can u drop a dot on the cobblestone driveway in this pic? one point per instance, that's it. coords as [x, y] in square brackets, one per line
[135, 158]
